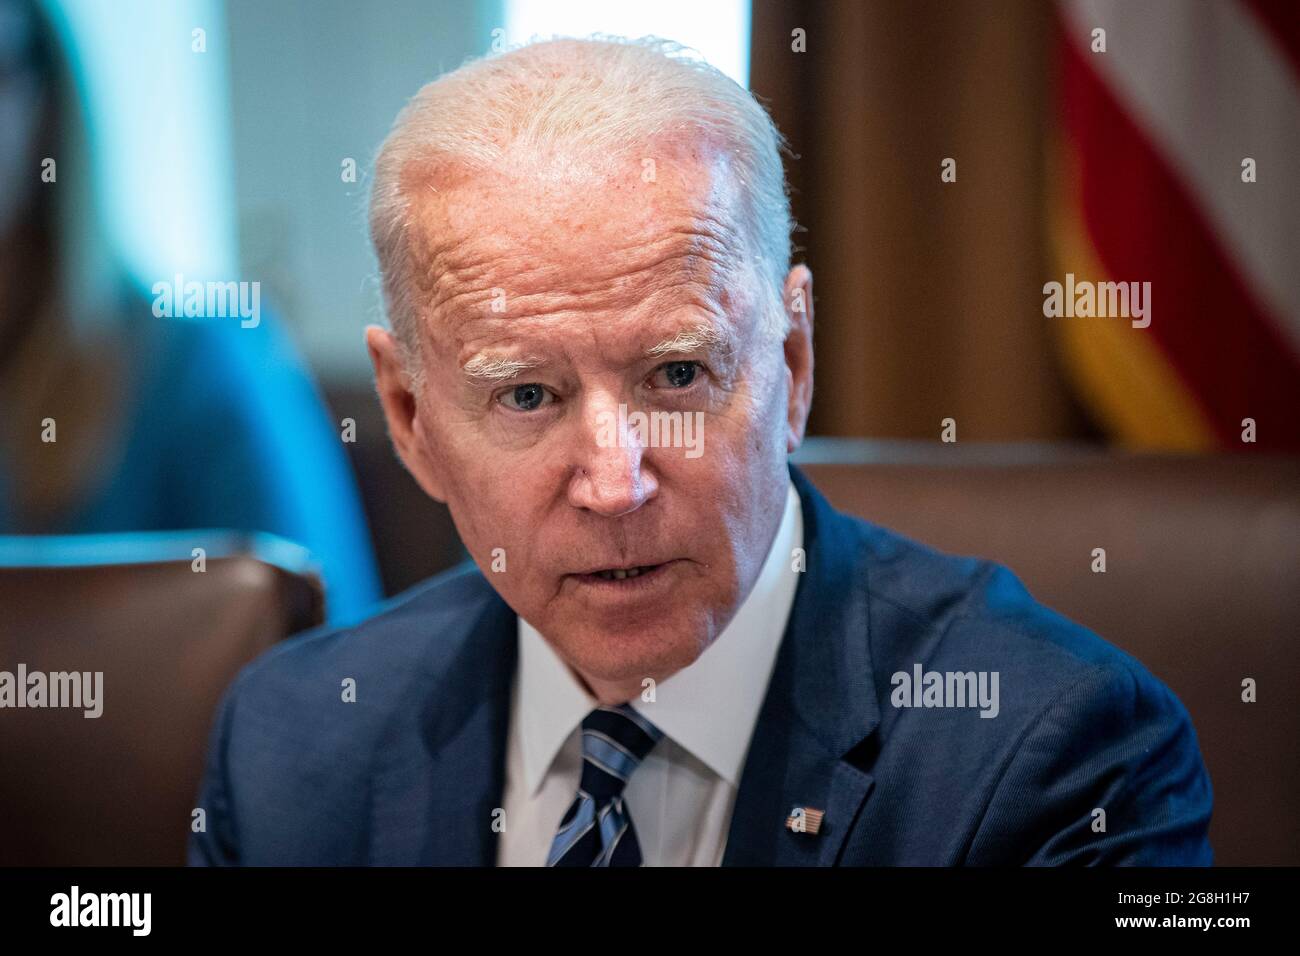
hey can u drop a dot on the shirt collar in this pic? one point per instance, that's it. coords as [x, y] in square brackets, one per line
[709, 708]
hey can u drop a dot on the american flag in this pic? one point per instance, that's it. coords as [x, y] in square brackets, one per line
[805, 820]
[1178, 163]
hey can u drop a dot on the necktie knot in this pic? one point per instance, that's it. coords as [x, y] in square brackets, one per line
[614, 742]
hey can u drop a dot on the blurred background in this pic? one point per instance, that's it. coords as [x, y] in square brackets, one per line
[947, 160]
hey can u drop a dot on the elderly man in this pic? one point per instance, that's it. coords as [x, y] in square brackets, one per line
[669, 649]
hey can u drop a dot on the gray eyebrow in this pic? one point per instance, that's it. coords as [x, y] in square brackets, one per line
[485, 368]
[688, 340]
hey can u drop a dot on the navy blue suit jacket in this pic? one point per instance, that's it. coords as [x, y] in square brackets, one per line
[411, 772]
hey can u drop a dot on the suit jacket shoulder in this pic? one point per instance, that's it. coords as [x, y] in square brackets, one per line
[1070, 752]
[298, 736]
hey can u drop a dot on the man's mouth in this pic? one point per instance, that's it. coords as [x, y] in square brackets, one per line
[623, 576]
[628, 588]
[618, 574]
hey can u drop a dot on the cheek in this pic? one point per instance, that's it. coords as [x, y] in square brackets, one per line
[487, 508]
[750, 439]
[499, 499]
[749, 474]
[470, 479]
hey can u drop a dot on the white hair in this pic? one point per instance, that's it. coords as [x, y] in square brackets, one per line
[593, 99]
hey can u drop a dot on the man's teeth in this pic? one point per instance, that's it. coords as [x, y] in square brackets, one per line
[618, 574]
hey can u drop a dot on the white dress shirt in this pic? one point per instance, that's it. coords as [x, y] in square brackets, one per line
[681, 796]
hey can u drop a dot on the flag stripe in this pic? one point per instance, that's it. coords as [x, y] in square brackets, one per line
[1206, 88]
[1144, 226]
[1121, 372]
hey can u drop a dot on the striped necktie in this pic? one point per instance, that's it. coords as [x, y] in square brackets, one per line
[597, 830]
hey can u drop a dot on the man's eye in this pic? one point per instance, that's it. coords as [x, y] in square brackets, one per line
[526, 398]
[675, 374]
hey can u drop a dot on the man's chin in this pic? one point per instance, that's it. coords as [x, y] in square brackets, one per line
[627, 652]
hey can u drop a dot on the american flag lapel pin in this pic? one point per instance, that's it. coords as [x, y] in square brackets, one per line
[805, 820]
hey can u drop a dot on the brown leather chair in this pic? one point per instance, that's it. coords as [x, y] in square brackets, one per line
[1202, 583]
[118, 789]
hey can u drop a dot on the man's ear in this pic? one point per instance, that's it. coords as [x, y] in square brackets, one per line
[402, 411]
[798, 294]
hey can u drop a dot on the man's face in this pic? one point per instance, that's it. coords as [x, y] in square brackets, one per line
[545, 303]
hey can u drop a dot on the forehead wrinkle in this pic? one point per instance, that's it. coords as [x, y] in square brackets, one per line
[457, 267]
[451, 286]
[502, 337]
[651, 288]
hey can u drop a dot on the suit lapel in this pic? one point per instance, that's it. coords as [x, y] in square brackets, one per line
[436, 784]
[809, 747]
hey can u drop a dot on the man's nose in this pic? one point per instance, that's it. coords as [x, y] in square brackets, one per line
[611, 477]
